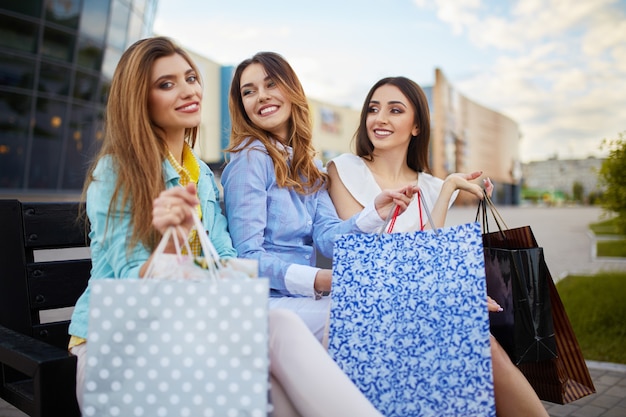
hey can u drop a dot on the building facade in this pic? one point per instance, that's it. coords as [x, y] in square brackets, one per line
[333, 128]
[57, 58]
[215, 125]
[552, 181]
[467, 137]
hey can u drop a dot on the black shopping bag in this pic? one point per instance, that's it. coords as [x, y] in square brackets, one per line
[564, 378]
[517, 280]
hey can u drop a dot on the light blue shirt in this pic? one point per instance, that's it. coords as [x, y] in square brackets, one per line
[109, 255]
[279, 227]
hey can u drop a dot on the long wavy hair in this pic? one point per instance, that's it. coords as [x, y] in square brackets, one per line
[300, 173]
[417, 155]
[136, 145]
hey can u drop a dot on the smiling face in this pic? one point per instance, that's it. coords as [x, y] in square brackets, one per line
[264, 103]
[390, 119]
[175, 96]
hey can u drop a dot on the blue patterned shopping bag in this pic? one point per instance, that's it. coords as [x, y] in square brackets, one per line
[409, 322]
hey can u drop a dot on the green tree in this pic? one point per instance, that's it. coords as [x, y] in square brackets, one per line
[613, 176]
[578, 191]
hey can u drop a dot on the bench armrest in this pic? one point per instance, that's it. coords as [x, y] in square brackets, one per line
[37, 378]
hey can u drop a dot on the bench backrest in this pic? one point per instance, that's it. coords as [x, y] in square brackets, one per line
[44, 267]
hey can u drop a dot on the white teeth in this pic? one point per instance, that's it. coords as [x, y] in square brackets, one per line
[268, 109]
[382, 132]
[190, 107]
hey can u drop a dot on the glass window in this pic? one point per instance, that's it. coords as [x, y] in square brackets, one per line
[111, 58]
[85, 86]
[105, 86]
[134, 29]
[54, 79]
[139, 6]
[18, 34]
[149, 14]
[89, 54]
[81, 146]
[50, 122]
[58, 44]
[63, 12]
[30, 7]
[118, 24]
[93, 20]
[16, 71]
[14, 118]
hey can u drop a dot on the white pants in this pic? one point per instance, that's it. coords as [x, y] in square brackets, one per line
[314, 313]
[305, 381]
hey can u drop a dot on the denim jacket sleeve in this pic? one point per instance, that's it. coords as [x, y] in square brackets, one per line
[276, 225]
[109, 235]
[213, 219]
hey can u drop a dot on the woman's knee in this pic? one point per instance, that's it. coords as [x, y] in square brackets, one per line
[284, 320]
[284, 316]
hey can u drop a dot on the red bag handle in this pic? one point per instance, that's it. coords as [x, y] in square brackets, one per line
[396, 212]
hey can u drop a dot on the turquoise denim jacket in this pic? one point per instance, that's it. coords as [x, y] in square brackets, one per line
[109, 255]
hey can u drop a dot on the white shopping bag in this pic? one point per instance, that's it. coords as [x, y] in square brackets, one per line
[179, 347]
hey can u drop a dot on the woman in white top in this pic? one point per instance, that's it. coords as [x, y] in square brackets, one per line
[391, 151]
[354, 175]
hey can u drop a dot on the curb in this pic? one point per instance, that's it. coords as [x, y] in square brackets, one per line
[594, 247]
[606, 366]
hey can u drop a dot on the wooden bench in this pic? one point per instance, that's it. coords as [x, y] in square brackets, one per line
[40, 281]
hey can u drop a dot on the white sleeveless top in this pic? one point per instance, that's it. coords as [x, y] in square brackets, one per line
[360, 182]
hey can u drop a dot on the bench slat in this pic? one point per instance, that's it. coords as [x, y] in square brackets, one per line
[53, 333]
[57, 284]
[53, 225]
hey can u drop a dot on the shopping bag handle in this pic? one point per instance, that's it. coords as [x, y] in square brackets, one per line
[205, 243]
[208, 249]
[395, 211]
[485, 203]
[495, 213]
[422, 202]
[170, 233]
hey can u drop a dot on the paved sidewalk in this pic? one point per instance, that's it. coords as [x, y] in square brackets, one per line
[609, 399]
[568, 249]
[562, 232]
[6, 410]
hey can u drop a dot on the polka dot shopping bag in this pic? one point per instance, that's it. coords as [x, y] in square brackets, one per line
[191, 343]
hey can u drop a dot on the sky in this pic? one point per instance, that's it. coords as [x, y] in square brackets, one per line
[556, 67]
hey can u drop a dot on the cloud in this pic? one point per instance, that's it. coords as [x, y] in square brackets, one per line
[556, 67]
[229, 41]
[560, 73]
[606, 32]
[459, 14]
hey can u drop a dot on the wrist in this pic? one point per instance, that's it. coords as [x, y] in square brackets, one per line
[449, 185]
[322, 282]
